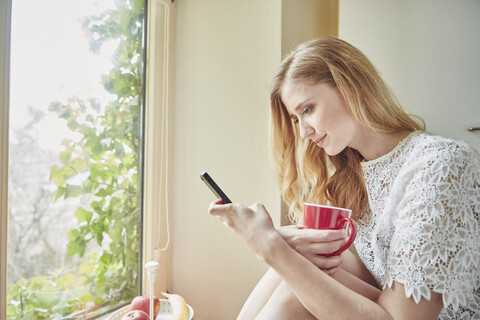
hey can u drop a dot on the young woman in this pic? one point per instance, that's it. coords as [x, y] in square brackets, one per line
[340, 137]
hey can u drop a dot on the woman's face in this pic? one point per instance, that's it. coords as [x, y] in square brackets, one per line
[321, 114]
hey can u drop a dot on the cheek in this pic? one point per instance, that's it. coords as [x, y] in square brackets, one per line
[337, 123]
[341, 130]
[345, 128]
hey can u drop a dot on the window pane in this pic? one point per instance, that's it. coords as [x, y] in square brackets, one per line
[75, 173]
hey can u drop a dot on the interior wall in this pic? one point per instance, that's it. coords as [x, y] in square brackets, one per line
[225, 54]
[301, 21]
[428, 52]
[307, 19]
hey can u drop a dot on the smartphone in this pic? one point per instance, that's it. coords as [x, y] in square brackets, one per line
[214, 187]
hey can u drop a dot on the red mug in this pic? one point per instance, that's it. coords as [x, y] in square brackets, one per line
[321, 217]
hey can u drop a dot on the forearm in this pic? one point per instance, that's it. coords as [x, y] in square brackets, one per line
[356, 284]
[318, 292]
[354, 265]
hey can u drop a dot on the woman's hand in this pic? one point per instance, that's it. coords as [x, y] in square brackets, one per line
[313, 244]
[253, 223]
[255, 227]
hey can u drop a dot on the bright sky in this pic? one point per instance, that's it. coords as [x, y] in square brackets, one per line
[50, 61]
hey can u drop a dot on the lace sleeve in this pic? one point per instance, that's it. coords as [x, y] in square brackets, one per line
[435, 245]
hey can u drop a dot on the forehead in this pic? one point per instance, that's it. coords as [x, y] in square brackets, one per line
[294, 92]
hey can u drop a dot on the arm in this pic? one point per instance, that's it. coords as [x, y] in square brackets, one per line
[322, 295]
[347, 268]
[319, 293]
[357, 285]
[355, 266]
[312, 244]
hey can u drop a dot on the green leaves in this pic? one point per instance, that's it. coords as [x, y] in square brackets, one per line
[100, 164]
[76, 243]
[72, 191]
[83, 215]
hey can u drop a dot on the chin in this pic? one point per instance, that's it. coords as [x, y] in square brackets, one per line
[333, 152]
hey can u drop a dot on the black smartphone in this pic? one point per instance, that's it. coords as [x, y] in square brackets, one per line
[214, 187]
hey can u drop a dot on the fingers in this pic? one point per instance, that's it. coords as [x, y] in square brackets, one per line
[257, 207]
[320, 248]
[222, 212]
[291, 227]
[330, 265]
[314, 241]
[331, 271]
[239, 217]
[326, 263]
[314, 235]
[217, 207]
[317, 246]
[297, 234]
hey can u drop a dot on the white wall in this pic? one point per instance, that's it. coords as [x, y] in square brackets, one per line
[307, 19]
[428, 51]
[225, 54]
[226, 51]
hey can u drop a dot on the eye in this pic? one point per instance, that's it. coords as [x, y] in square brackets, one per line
[307, 110]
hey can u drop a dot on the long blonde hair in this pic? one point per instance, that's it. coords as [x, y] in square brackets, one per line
[305, 172]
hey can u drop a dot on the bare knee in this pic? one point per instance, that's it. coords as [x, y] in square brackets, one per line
[284, 304]
[286, 295]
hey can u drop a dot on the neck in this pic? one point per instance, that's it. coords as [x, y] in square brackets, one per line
[373, 145]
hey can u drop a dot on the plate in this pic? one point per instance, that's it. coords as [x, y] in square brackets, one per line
[164, 312]
[117, 315]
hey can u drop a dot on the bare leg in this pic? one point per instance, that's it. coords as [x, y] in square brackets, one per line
[260, 295]
[284, 305]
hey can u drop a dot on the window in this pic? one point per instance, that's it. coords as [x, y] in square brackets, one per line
[75, 160]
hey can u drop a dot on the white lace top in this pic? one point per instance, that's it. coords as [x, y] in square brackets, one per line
[423, 230]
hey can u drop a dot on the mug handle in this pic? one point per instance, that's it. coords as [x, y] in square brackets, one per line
[353, 235]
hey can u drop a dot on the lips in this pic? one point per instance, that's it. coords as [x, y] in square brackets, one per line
[319, 141]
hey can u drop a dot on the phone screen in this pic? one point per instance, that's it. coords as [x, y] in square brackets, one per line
[214, 187]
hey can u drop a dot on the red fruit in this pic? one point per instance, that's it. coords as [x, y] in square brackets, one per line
[143, 303]
[136, 315]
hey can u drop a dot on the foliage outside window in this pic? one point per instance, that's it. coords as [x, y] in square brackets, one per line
[95, 183]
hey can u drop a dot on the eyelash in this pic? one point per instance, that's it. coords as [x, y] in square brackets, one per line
[305, 111]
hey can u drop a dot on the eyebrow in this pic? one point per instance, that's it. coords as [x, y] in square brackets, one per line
[301, 104]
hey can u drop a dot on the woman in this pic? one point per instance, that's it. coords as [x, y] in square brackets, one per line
[340, 137]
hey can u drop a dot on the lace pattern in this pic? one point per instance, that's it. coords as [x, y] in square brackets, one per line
[423, 228]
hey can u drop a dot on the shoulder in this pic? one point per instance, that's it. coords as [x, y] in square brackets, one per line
[439, 180]
[427, 143]
[434, 247]
[437, 152]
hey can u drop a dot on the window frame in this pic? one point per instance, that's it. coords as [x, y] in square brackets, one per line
[5, 14]
[157, 154]
[156, 183]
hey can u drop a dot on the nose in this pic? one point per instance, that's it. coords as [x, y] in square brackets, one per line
[305, 130]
